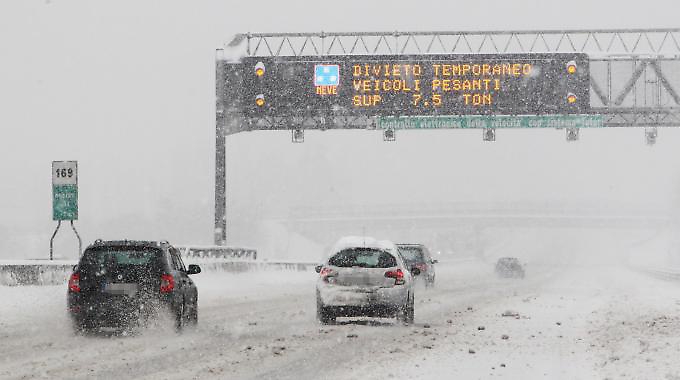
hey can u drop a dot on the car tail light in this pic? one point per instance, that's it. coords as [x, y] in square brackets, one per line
[397, 275]
[328, 275]
[74, 283]
[167, 283]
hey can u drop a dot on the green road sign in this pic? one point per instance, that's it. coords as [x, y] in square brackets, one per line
[65, 202]
[64, 190]
[470, 122]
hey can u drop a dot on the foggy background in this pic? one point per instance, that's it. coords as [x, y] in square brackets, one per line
[127, 89]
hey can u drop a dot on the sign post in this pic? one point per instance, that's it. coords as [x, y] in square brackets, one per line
[65, 197]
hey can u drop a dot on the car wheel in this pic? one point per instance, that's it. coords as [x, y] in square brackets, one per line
[193, 317]
[78, 328]
[430, 282]
[407, 312]
[179, 317]
[410, 310]
[323, 314]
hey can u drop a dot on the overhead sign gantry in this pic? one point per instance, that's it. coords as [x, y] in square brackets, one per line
[569, 79]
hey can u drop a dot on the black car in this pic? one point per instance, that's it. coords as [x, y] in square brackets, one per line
[509, 267]
[125, 284]
[418, 256]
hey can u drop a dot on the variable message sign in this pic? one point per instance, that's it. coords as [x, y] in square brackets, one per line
[470, 84]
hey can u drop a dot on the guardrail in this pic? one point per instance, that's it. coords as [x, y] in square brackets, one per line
[217, 251]
[24, 272]
[245, 266]
[664, 274]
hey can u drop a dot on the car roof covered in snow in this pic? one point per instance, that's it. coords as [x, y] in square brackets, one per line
[363, 241]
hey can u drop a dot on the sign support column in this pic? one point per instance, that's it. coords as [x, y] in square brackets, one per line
[228, 120]
[220, 231]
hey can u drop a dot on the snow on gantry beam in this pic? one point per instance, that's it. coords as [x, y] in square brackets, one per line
[596, 42]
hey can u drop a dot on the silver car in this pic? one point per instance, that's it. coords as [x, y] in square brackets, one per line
[364, 277]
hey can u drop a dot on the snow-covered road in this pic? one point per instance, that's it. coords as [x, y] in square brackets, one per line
[568, 322]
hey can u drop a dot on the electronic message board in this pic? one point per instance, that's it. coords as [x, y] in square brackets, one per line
[379, 85]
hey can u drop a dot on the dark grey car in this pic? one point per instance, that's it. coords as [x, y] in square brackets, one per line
[509, 267]
[124, 284]
[418, 256]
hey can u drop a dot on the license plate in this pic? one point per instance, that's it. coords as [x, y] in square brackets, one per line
[121, 288]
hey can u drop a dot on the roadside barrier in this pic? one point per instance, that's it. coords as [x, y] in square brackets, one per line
[35, 274]
[217, 252]
[664, 274]
[57, 273]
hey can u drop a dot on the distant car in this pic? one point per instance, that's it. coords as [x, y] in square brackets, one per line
[364, 277]
[418, 256]
[509, 267]
[123, 284]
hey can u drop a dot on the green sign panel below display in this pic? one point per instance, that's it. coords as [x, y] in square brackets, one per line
[522, 121]
[65, 202]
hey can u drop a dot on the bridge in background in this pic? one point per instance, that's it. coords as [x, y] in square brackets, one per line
[435, 219]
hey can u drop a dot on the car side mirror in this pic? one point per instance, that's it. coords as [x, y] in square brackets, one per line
[318, 268]
[194, 269]
[75, 268]
[434, 261]
[415, 271]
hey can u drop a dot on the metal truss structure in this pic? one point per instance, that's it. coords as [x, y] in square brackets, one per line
[634, 75]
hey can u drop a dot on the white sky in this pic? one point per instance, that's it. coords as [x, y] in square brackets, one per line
[127, 89]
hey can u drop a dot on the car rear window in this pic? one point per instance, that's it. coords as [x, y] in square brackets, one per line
[364, 258]
[412, 254]
[121, 257]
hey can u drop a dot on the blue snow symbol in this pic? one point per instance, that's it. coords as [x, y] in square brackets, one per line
[326, 75]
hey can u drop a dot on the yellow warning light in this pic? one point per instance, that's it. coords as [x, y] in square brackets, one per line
[571, 67]
[259, 100]
[259, 69]
[571, 98]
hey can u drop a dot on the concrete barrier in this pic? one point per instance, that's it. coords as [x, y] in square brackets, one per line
[21, 273]
[28, 273]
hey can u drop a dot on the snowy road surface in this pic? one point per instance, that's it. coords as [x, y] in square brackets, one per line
[566, 322]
